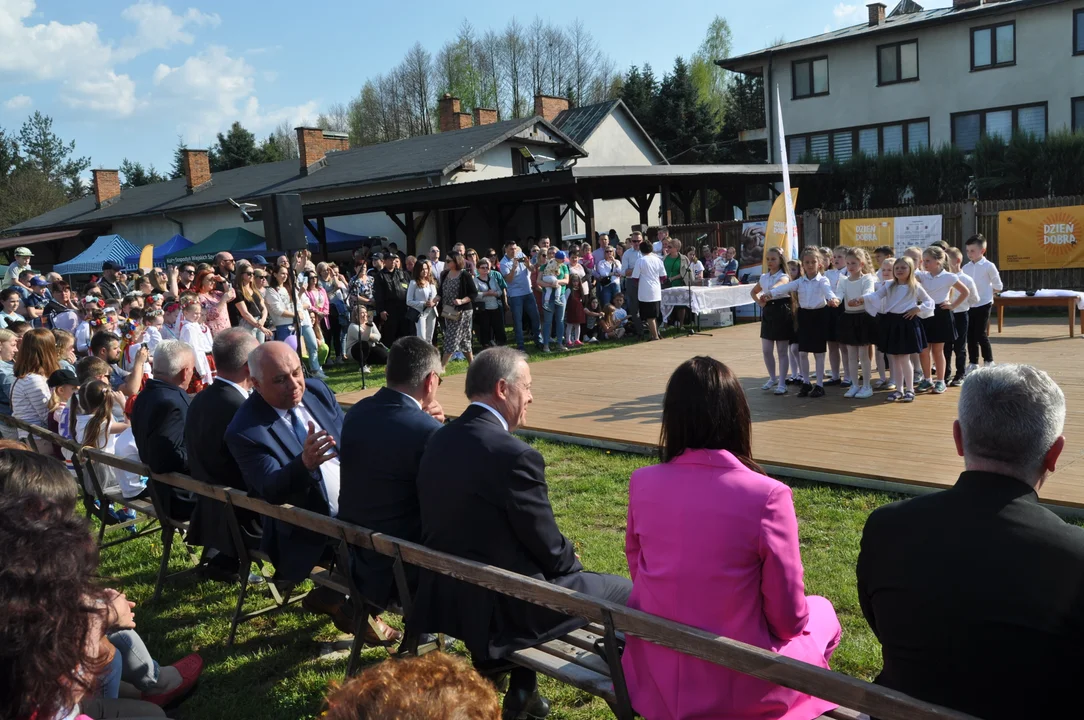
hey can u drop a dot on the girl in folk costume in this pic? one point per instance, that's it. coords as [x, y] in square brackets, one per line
[777, 325]
[171, 324]
[198, 337]
[856, 329]
[815, 298]
[131, 340]
[794, 271]
[836, 269]
[152, 328]
[940, 328]
[83, 331]
[900, 303]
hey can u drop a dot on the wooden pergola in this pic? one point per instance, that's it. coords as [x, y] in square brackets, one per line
[573, 189]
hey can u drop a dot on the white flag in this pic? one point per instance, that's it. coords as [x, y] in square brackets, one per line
[792, 224]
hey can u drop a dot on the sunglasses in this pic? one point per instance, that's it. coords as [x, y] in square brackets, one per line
[245, 272]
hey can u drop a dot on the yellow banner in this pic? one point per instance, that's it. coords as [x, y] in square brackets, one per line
[775, 234]
[868, 233]
[1047, 239]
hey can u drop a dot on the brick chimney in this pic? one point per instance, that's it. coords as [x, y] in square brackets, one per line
[876, 14]
[197, 170]
[106, 187]
[485, 116]
[336, 141]
[450, 116]
[310, 146]
[549, 106]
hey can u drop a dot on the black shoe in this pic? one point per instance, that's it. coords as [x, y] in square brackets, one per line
[521, 705]
[817, 392]
[806, 389]
[791, 381]
[834, 381]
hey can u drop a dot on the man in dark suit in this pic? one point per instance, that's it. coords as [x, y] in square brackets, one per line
[209, 415]
[977, 592]
[389, 299]
[158, 418]
[379, 491]
[483, 496]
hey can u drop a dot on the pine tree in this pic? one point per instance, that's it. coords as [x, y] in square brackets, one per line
[235, 149]
[135, 175]
[44, 151]
[683, 124]
[177, 169]
[638, 94]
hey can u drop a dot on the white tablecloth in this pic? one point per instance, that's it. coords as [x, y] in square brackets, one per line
[706, 299]
[1043, 293]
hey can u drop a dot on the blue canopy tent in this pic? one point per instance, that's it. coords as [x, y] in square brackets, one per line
[106, 247]
[174, 244]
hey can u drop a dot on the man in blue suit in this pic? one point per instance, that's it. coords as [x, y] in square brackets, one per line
[284, 439]
[380, 491]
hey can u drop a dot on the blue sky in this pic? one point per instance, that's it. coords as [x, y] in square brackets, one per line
[124, 79]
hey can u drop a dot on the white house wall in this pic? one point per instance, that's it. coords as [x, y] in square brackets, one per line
[1045, 71]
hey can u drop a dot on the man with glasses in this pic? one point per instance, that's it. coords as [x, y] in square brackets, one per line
[434, 260]
[224, 266]
[517, 276]
[185, 277]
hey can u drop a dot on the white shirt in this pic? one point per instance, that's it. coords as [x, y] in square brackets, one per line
[329, 470]
[412, 398]
[891, 298]
[834, 275]
[244, 393]
[650, 268]
[968, 303]
[937, 286]
[848, 289]
[438, 267]
[504, 423]
[813, 294]
[987, 280]
[608, 269]
[599, 254]
[630, 261]
[769, 280]
[697, 269]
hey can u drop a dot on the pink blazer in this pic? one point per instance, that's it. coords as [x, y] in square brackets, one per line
[714, 545]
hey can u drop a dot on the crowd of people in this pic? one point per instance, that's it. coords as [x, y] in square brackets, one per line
[914, 314]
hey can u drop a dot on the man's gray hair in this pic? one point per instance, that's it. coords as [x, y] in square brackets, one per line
[231, 348]
[490, 367]
[171, 356]
[254, 357]
[410, 361]
[1011, 415]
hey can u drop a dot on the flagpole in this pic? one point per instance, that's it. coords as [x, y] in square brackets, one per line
[788, 200]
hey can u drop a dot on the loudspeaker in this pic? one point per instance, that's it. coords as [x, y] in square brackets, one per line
[283, 226]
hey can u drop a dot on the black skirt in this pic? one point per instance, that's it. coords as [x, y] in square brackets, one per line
[835, 315]
[777, 322]
[813, 330]
[940, 328]
[900, 336]
[856, 328]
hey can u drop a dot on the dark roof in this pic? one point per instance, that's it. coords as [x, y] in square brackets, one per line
[581, 122]
[422, 156]
[900, 21]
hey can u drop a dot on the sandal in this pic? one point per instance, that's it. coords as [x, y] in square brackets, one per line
[893, 397]
[908, 397]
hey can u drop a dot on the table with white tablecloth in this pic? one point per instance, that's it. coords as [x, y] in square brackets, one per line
[705, 299]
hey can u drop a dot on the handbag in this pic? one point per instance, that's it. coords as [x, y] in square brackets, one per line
[412, 314]
[448, 312]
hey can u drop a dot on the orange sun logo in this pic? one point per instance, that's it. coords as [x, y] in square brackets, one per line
[1059, 234]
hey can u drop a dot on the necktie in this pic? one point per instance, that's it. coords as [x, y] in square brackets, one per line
[300, 430]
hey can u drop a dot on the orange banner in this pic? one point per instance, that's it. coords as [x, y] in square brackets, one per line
[868, 233]
[1047, 239]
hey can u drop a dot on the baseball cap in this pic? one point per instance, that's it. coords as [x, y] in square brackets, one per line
[23, 252]
[62, 377]
[560, 255]
[110, 265]
[39, 281]
[376, 256]
[259, 260]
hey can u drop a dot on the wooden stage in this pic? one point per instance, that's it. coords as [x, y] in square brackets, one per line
[613, 399]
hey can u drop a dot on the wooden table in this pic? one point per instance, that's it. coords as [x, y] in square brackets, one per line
[1001, 303]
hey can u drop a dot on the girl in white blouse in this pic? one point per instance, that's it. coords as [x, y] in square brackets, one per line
[837, 270]
[940, 328]
[900, 301]
[776, 324]
[422, 296]
[856, 329]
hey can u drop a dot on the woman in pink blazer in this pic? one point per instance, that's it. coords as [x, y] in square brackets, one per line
[712, 542]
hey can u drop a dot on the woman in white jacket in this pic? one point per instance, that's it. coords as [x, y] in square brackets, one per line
[422, 296]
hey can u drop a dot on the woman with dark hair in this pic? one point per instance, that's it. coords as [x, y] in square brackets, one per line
[713, 542]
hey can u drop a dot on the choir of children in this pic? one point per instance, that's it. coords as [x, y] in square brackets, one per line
[912, 313]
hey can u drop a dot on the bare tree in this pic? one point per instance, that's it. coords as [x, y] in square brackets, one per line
[557, 63]
[336, 118]
[585, 60]
[536, 55]
[514, 58]
[285, 139]
[416, 73]
[489, 56]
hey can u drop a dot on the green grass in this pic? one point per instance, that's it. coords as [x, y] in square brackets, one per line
[276, 670]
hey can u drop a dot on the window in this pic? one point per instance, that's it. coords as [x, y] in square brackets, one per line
[1078, 114]
[873, 140]
[520, 164]
[810, 77]
[968, 127]
[993, 46]
[1078, 32]
[897, 63]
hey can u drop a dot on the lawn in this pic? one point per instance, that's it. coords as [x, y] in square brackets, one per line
[280, 670]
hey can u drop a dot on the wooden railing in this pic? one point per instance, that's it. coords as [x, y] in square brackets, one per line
[848, 692]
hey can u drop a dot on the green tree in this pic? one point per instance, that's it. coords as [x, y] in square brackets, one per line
[710, 79]
[177, 169]
[9, 154]
[235, 149]
[638, 93]
[135, 175]
[364, 117]
[25, 193]
[43, 150]
[683, 125]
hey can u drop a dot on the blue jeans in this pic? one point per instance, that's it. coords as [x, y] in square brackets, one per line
[283, 331]
[519, 303]
[312, 346]
[137, 666]
[558, 312]
[606, 294]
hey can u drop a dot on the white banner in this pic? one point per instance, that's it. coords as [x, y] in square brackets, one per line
[920, 230]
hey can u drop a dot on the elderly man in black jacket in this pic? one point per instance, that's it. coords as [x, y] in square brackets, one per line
[977, 592]
[483, 496]
[389, 299]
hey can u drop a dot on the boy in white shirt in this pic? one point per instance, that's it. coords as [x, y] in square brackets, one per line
[649, 292]
[987, 282]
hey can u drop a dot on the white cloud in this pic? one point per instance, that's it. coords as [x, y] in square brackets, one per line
[18, 102]
[158, 28]
[845, 14]
[106, 92]
[210, 90]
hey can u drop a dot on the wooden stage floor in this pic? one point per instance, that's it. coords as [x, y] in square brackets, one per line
[613, 399]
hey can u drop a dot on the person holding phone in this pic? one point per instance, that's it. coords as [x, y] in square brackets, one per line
[516, 271]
